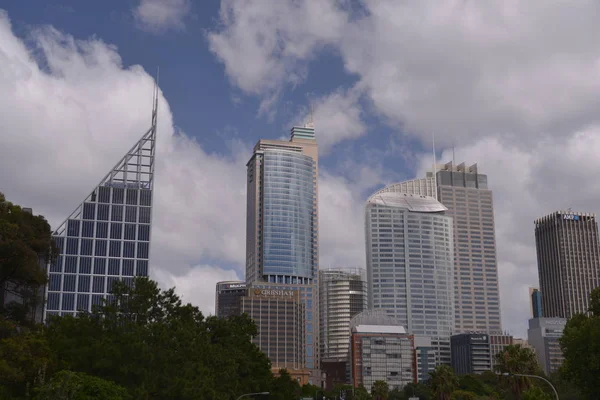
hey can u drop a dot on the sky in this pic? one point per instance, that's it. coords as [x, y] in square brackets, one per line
[513, 86]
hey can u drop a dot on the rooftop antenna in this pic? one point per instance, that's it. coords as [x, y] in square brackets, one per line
[453, 154]
[155, 98]
[434, 191]
[311, 111]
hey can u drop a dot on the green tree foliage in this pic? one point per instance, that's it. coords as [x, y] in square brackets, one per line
[463, 395]
[150, 343]
[515, 359]
[535, 393]
[67, 385]
[580, 344]
[380, 390]
[25, 239]
[442, 382]
[361, 393]
[409, 390]
[284, 387]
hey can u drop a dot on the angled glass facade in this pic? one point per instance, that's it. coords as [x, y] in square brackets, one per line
[288, 216]
[107, 238]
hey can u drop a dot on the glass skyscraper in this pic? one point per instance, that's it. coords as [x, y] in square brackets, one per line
[107, 238]
[282, 223]
[410, 264]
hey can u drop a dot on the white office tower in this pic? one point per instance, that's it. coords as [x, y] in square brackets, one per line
[410, 264]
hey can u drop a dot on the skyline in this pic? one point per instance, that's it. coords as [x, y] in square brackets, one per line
[88, 108]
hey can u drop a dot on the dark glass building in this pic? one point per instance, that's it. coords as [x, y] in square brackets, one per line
[471, 353]
[227, 301]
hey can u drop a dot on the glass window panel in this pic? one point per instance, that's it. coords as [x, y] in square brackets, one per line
[87, 229]
[86, 247]
[98, 286]
[129, 232]
[73, 227]
[132, 196]
[130, 214]
[56, 266]
[85, 265]
[128, 282]
[113, 266]
[145, 215]
[101, 247]
[109, 283]
[68, 301]
[144, 232]
[118, 195]
[99, 266]
[142, 268]
[54, 282]
[115, 248]
[129, 249]
[84, 283]
[116, 213]
[53, 301]
[69, 283]
[102, 229]
[103, 194]
[142, 250]
[83, 302]
[72, 245]
[60, 243]
[115, 231]
[145, 197]
[128, 267]
[89, 210]
[97, 300]
[71, 264]
[103, 212]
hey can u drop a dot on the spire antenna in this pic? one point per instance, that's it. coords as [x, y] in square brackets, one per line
[155, 98]
[311, 112]
[434, 191]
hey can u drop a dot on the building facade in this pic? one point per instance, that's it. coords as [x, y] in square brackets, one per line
[536, 302]
[228, 298]
[282, 224]
[543, 335]
[568, 254]
[497, 344]
[107, 238]
[425, 357]
[380, 349]
[471, 353]
[465, 193]
[410, 264]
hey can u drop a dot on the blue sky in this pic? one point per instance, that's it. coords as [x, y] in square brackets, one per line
[491, 78]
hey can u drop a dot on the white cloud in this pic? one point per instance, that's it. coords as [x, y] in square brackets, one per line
[159, 16]
[266, 44]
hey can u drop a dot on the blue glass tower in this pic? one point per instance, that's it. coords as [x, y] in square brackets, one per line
[107, 237]
[282, 223]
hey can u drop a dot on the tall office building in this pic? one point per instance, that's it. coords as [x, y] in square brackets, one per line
[535, 297]
[544, 335]
[410, 264]
[568, 254]
[464, 191]
[282, 223]
[471, 353]
[107, 237]
[227, 299]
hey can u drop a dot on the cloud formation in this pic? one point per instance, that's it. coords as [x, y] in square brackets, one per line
[159, 16]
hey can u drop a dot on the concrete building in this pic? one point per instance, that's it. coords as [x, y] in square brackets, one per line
[282, 224]
[568, 254]
[342, 295]
[425, 355]
[543, 335]
[536, 302]
[471, 353]
[107, 237]
[227, 299]
[497, 345]
[381, 350]
[465, 193]
[410, 264]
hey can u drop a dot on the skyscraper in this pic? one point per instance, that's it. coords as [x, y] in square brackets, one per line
[107, 237]
[282, 223]
[410, 264]
[228, 298]
[568, 254]
[536, 302]
[464, 191]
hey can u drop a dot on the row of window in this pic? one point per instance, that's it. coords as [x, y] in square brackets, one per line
[99, 266]
[112, 248]
[105, 212]
[118, 196]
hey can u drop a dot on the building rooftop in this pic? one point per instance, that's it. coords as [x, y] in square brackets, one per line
[379, 329]
[412, 202]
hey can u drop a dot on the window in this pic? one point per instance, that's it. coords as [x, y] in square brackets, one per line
[53, 301]
[115, 248]
[113, 266]
[56, 266]
[73, 227]
[85, 265]
[109, 283]
[102, 229]
[97, 300]
[98, 286]
[132, 196]
[145, 215]
[101, 247]
[115, 231]
[83, 302]
[99, 266]
[103, 212]
[69, 283]
[128, 267]
[142, 268]
[89, 211]
[130, 214]
[118, 195]
[84, 284]
[117, 213]
[86, 247]
[103, 194]
[72, 245]
[144, 232]
[54, 282]
[129, 232]
[71, 264]
[145, 197]
[68, 301]
[142, 250]
[129, 249]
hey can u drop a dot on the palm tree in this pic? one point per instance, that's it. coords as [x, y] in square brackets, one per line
[515, 359]
[443, 382]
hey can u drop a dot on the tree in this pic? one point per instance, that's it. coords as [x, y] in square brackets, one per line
[361, 393]
[26, 245]
[580, 344]
[463, 395]
[535, 393]
[515, 359]
[442, 382]
[67, 385]
[284, 387]
[380, 390]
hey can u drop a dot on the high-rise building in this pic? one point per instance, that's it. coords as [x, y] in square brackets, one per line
[464, 191]
[410, 264]
[342, 295]
[107, 238]
[543, 335]
[282, 224]
[381, 350]
[227, 299]
[568, 254]
[471, 353]
[536, 302]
